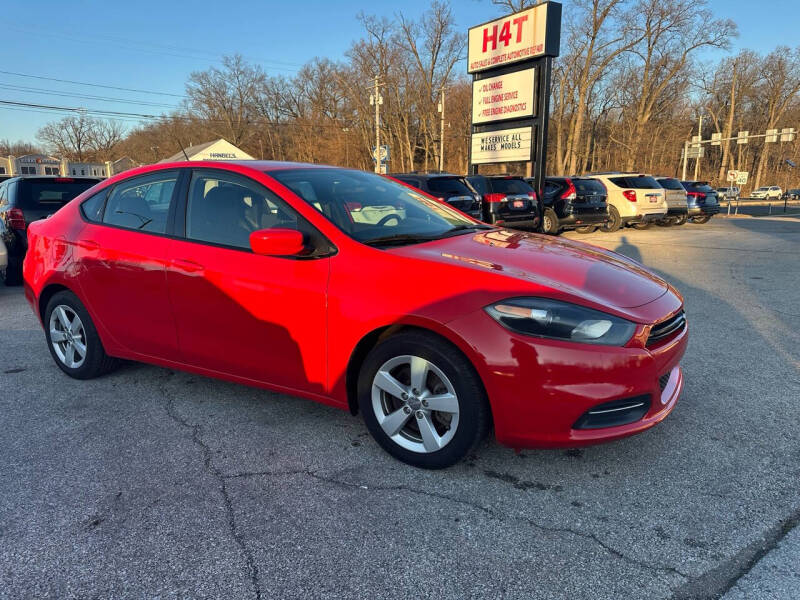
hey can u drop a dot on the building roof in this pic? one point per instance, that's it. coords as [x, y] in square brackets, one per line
[206, 151]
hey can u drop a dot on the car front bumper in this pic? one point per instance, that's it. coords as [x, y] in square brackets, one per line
[539, 389]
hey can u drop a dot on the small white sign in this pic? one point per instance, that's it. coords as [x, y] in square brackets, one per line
[733, 175]
[516, 37]
[504, 145]
[741, 177]
[507, 96]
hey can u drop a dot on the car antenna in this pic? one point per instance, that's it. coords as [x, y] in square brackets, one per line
[186, 156]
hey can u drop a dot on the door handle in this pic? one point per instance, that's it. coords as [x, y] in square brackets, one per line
[187, 266]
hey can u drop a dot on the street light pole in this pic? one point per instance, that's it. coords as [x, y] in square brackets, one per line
[441, 135]
[700, 138]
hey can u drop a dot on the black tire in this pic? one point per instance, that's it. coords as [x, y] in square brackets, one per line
[701, 220]
[642, 226]
[474, 415]
[96, 362]
[681, 220]
[586, 229]
[669, 222]
[550, 222]
[614, 221]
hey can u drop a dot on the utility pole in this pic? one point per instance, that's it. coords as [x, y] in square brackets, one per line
[685, 158]
[441, 134]
[376, 99]
[700, 137]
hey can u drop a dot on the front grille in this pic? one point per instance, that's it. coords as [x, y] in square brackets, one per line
[615, 413]
[663, 381]
[664, 329]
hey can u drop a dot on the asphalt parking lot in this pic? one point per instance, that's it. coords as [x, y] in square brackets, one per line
[153, 483]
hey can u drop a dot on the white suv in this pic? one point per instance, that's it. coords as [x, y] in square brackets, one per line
[772, 192]
[633, 199]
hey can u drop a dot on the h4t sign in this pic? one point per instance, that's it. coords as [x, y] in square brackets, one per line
[522, 36]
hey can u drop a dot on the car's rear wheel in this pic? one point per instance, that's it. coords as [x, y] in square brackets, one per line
[614, 221]
[701, 220]
[422, 400]
[642, 226]
[668, 222]
[681, 220]
[586, 229]
[72, 338]
[550, 222]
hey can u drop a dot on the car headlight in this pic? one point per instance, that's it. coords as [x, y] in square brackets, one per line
[542, 317]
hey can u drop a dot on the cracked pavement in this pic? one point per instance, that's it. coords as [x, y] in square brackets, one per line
[152, 483]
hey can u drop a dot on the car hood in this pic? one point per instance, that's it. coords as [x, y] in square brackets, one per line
[599, 276]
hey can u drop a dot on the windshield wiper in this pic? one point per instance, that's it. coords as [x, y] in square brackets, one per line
[399, 240]
[458, 229]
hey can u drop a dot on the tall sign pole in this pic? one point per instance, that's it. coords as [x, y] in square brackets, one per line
[511, 61]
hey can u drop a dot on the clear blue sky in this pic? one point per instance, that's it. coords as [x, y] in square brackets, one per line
[155, 45]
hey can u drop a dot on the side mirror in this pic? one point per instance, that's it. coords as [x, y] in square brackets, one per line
[277, 242]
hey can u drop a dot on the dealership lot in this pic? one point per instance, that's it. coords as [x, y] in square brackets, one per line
[149, 482]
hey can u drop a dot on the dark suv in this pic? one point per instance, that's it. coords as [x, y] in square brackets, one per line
[27, 199]
[573, 203]
[507, 200]
[702, 201]
[453, 189]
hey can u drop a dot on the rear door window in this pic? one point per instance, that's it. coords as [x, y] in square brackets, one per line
[479, 183]
[142, 203]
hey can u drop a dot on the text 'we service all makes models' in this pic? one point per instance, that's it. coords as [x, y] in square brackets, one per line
[356, 291]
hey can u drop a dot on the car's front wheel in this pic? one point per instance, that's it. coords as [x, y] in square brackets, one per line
[72, 338]
[422, 400]
[701, 220]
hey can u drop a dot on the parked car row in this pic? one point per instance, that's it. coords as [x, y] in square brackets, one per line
[605, 201]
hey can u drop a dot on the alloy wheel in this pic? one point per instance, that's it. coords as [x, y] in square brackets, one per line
[68, 336]
[415, 404]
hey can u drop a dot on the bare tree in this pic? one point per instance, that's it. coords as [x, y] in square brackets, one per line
[226, 98]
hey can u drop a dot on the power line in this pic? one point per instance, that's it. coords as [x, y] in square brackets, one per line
[138, 46]
[99, 85]
[34, 90]
[119, 115]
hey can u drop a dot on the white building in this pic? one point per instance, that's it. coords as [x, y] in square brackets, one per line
[41, 164]
[217, 150]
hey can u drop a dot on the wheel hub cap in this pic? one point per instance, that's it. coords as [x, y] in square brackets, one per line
[415, 404]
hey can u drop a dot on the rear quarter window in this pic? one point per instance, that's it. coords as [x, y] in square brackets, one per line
[671, 184]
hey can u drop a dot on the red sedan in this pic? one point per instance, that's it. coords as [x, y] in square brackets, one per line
[357, 291]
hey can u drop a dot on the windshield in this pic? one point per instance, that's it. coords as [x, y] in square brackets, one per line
[450, 186]
[510, 186]
[641, 182]
[762, 189]
[373, 209]
[670, 184]
[51, 194]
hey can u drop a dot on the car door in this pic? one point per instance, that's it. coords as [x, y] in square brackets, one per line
[122, 255]
[257, 317]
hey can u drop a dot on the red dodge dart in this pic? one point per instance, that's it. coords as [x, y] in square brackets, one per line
[360, 292]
